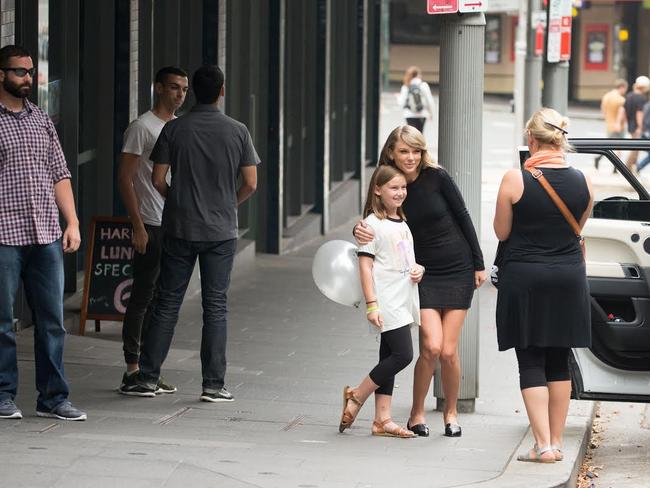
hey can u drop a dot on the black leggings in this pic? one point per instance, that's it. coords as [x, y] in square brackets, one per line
[539, 365]
[395, 354]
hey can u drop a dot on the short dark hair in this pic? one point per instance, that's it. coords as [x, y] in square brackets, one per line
[12, 51]
[207, 83]
[163, 73]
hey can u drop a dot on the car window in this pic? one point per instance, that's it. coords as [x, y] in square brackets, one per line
[607, 183]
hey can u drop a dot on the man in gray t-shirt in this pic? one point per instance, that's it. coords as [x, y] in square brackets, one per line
[206, 151]
[145, 206]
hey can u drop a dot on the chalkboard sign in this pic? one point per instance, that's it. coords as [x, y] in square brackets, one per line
[107, 283]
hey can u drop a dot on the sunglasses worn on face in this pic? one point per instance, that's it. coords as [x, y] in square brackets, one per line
[21, 72]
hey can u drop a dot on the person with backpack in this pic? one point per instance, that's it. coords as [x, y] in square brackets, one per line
[415, 98]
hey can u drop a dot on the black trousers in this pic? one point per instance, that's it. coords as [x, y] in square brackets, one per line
[417, 122]
[395, 354]
[539, 365]
[146, 268]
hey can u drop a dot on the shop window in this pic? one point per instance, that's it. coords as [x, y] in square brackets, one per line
[492, 39]
[596, 46]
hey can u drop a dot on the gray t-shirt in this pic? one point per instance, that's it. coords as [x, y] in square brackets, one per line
[139, 139]
[206, 150]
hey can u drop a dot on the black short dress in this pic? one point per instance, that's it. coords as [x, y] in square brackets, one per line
[543, 298]
[444, 239]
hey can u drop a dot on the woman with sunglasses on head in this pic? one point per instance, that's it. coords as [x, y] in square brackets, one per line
[447, 246]
[543, 306]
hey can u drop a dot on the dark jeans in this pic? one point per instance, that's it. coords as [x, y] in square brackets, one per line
[41, 269]
[395, 354]
[176, 266]
[417, 122]
[146, 268]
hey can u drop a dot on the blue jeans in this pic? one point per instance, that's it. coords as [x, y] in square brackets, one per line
[176, 266]
[41, 270]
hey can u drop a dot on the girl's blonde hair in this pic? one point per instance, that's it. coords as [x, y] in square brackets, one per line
[411, 137]
[548, 128]
[410, 73]
[381, 176]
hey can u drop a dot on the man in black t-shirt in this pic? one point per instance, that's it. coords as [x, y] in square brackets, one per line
[634, 102]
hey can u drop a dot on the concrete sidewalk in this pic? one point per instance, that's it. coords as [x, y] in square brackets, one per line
[290, 353]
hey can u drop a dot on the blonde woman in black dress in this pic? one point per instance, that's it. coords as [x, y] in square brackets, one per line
[447, 246]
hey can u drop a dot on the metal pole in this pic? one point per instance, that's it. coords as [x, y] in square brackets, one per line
[459, 151]
[556, 74]
[533, 83]
[520, 75]
[556, 86]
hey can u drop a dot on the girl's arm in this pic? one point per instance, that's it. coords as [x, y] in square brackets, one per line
[368, 287]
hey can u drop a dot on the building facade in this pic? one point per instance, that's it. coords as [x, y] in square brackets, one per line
[610, 40]
[303, 76]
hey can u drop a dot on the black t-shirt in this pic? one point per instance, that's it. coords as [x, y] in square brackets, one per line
[634, 103]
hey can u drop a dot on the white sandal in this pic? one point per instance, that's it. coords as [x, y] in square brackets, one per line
[538, 455]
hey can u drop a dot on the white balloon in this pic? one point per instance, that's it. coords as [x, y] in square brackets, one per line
[336, 272]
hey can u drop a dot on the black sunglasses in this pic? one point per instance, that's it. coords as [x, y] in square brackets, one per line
[21, 72]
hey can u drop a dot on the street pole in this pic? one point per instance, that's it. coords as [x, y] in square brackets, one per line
[459, 151]
[520, 76]
[533, 99]
[556, 86]
[556, 67]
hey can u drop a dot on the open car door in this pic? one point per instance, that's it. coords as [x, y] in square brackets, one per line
[617, 236]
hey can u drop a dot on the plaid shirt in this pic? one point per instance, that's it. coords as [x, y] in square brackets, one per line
[31, 162]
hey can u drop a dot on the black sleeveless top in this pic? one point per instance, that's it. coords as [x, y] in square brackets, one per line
[543, 298]
[540, 233]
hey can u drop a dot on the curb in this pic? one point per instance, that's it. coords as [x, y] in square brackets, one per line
[563, 474]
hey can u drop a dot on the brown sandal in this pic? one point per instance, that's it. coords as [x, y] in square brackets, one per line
[347, 418]
[379, 428]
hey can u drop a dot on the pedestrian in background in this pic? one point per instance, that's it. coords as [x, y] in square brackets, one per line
[645, 134]
[34, 188]
[145, 207]
[447, 246]
[634, 103]
[543, 304]
[613, 110]
[206, 151]
[415, 98]
[389, 277]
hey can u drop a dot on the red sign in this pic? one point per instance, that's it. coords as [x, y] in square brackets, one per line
[539, 39]
[565, 38]
[442, 6]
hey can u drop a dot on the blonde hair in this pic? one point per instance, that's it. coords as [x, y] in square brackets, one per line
[410, 73]
[548, 128]
[381, 176]
[411, 137]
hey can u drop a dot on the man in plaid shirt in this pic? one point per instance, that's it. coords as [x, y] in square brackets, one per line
[34, 187]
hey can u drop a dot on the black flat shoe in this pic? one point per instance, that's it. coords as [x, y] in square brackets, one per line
[420, 429]
[453, 430]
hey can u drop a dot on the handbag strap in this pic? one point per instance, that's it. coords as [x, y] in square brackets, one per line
[539, 176]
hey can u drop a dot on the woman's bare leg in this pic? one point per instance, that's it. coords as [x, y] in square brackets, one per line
[452, 325]
[430, 333]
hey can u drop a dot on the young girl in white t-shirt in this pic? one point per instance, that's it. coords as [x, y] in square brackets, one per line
[389, 277]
